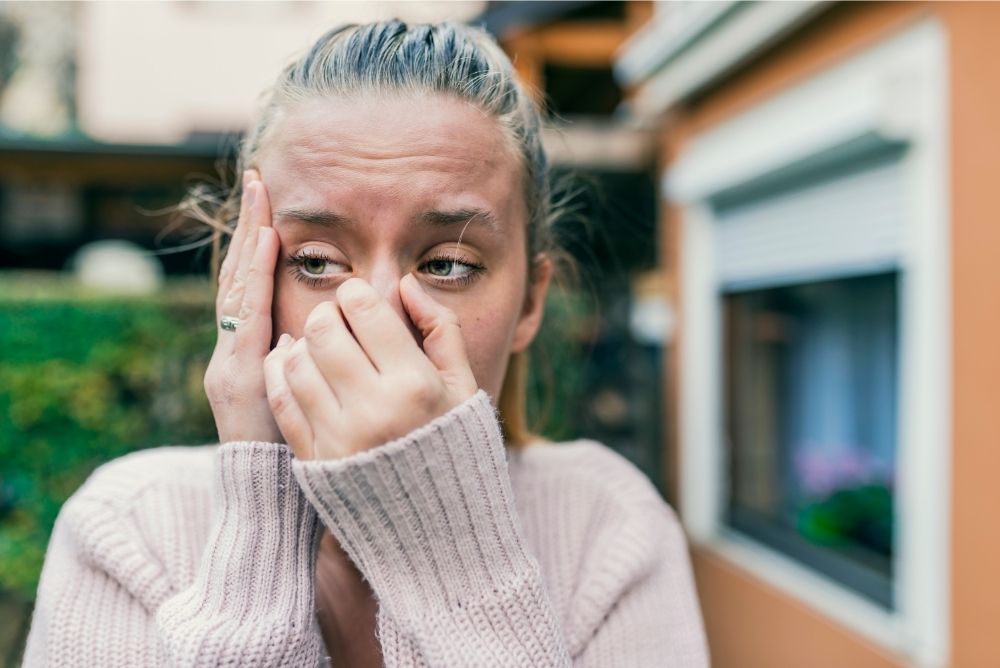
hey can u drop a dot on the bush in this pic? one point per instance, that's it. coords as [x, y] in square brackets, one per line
[83, 379]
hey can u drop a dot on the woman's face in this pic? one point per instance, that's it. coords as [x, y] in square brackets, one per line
[377, 188]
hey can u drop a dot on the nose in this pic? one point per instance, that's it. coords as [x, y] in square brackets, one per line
[385, 279]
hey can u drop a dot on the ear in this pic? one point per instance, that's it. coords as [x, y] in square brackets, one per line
[534, 304]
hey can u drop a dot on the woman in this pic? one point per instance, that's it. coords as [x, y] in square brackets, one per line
[388, 268]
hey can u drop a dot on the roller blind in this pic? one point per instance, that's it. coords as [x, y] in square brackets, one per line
[847, 224]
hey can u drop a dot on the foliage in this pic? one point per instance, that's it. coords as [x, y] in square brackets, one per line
[859, 515]
[85, 379]
[558, 363]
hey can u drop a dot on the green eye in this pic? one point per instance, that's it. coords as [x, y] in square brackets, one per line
[440, 267]
[313, 268]
[451, 272]
[314, 265]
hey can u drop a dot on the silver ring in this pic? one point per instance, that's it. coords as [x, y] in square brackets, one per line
[229, 323]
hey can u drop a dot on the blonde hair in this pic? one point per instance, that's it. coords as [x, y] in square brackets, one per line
[393, 57]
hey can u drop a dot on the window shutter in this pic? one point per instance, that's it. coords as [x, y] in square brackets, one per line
[848, 224]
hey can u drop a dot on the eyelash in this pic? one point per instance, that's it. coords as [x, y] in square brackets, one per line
[297, 261]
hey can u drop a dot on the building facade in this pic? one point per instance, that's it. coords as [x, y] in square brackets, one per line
[827, 230]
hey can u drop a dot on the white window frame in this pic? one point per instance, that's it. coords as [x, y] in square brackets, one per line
[897, 89]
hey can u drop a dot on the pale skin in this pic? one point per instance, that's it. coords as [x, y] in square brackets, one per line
[380, 275]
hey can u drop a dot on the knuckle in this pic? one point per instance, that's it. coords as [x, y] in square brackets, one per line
[251, 277]
[248, 307]
[280, 401]
[210, 386]
[212, 379]
[321, 321]
[218, 394]
[255, 272]
[239, 282]
[449, 318]
[420, 388]
[234, 295]
[296, 357]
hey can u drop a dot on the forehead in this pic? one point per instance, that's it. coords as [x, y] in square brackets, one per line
[399, 152]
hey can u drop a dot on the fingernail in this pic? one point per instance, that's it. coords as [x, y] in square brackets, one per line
[284, 340]
[246, 178]
[250, 194]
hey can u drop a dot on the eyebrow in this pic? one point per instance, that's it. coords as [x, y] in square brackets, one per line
[433, 218]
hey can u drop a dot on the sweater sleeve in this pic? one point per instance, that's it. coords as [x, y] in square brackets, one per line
[106, 599]
[430, 522]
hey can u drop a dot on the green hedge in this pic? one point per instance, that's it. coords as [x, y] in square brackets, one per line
[85, 378]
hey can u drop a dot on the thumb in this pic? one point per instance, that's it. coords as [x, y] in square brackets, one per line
[442, 334]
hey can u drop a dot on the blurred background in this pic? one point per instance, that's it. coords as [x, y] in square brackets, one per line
[786, 222]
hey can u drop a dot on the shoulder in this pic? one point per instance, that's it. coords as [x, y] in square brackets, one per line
[135, 488]
[143, 518]
[601, 501]
[600, 531]
[589, 470]
[120, 482]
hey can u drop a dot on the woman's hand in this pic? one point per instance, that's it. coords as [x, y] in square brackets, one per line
[234, 381]
[339, 391]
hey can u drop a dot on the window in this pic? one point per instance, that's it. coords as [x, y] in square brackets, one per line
[806, 273]
[811, 405]
[815, 294]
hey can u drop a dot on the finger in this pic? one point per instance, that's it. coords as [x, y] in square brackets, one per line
[228, 269]
[287, 415]
[236, 239]
[317, 400]
[253, 336]
[242, 255]
[442, 332]
[334, 350]
[379, 329]
[258, 215]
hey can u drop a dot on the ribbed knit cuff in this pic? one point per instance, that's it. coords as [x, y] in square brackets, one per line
[253, 594]
[428, 518]
[264, 513]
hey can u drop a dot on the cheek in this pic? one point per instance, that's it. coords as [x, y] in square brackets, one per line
[488, 333]
[291, 306]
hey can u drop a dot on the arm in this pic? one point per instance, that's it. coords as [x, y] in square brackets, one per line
[106, 599]
[251, 602]
[429, 520]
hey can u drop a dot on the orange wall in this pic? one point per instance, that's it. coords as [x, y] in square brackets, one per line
[749, 623]
[974, 38]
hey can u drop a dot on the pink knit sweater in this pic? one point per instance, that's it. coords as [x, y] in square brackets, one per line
[553, 555]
